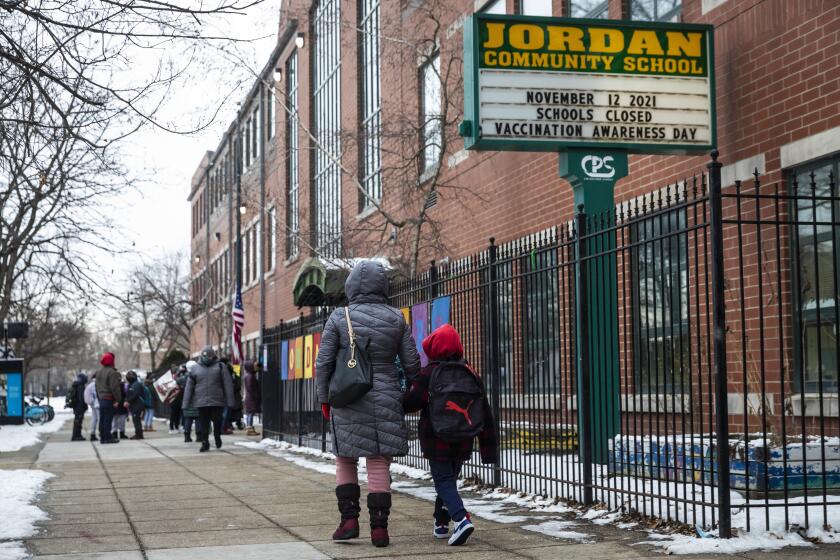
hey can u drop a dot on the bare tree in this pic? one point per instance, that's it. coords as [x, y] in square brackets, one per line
[415, 145]
[157, 309]
[53, 50]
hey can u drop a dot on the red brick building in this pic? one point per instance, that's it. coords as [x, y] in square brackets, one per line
[340, 157]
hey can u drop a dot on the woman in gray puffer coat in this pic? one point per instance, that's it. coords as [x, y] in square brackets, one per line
[373, 426]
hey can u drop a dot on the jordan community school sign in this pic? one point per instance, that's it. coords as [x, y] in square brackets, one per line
[548, 84]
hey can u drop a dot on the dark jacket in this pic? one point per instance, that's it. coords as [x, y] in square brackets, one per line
[78, 389]
[135, 397]
[253, 396]
[445, 345]
[210, 385]
[187, 411]
[122, 409]
[109, 384]
[374, 424]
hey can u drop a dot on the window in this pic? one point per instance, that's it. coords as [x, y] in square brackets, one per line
[256, 143]
[589, 8]
[327, 124]
[655, 10]
[246, 257]
[660, 274]
[370, 94]
[431, 105]
[256, 246]
[270, 117]
[814, 275]
[271, 238]
[542, 316]
[494, 7]
[535, 8]
[292, 166]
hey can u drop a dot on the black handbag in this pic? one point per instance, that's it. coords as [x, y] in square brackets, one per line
[353, 375]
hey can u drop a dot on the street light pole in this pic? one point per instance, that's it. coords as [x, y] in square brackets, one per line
[237, 150]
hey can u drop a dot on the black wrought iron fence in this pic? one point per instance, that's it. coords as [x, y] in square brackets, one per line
[675, 356]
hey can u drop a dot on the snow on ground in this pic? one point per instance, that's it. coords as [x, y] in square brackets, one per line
[14, 438]
[559, 529]
[19, 489]
[504, 506]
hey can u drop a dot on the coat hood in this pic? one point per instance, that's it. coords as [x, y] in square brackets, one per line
[208, 356]
[107, 359]
[81, 378]
[248, 365]
[367, 283]
[443, 344]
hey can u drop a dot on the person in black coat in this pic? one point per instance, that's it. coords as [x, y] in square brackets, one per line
[77, 398]
[135, 403]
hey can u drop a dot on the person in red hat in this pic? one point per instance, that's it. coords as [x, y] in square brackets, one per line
[453, 413]
[110, 393]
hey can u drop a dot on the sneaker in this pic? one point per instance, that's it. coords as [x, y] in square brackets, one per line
[441, 531]
[205, 446]
[93, 437]
[463, 530]
[171, 432]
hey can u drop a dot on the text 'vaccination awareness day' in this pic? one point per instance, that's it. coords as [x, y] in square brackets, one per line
[550, 83]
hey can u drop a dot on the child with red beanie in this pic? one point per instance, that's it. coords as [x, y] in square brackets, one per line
[446, 456]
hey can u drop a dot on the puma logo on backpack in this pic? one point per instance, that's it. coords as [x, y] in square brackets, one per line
[456, 401]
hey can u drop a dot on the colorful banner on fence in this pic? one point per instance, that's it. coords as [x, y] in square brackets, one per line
[420, 328]
[440, 311]
[406, 315]
[292, 360]
[308, 364]
[284, 360]
[299, 358]
[316, 345]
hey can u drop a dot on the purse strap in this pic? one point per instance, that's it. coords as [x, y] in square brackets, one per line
[351, 363]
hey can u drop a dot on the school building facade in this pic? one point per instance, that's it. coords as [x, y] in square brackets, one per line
[348, 146]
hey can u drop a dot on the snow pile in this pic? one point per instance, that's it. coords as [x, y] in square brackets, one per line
[559, 529]
[20, 487]
[14, 438]
[684, 544]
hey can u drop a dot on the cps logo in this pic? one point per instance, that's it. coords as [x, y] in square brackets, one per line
[598, 167]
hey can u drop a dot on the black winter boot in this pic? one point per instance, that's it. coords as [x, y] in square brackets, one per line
[348, 505]
[379, 507]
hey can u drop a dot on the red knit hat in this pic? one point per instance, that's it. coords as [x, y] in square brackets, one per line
[107, 359]
[443, 344]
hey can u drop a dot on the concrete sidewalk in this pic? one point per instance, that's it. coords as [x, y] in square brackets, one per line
[159, 499]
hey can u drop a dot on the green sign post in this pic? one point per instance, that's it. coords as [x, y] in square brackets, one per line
[593, 174]
[593, 91]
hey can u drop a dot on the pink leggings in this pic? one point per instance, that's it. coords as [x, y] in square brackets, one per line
[379, 477]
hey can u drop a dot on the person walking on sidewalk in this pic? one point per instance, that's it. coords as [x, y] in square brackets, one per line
[174, 400]
[93, 402]
[447, 430]
[189, 413]
[109, 393]
[76, 401]
[149, 405]
[120, 416]
[209, 388]
[373, 426]
[135, 404]
[253, 396]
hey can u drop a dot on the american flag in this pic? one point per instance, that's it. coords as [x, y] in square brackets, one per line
[238, 322]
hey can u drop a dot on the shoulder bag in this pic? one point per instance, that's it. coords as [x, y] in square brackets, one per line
[353, 375]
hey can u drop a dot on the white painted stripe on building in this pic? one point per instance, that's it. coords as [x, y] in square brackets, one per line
[810, 148]
[742, 170]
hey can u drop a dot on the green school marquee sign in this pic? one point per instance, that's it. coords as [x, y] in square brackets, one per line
[547, 84]
[593, 91]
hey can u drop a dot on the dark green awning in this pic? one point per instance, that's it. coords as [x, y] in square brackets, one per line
[319, 284]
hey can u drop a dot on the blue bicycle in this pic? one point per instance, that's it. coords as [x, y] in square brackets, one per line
[35, 413]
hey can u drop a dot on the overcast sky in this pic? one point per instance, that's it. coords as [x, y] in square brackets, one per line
[156, 218]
